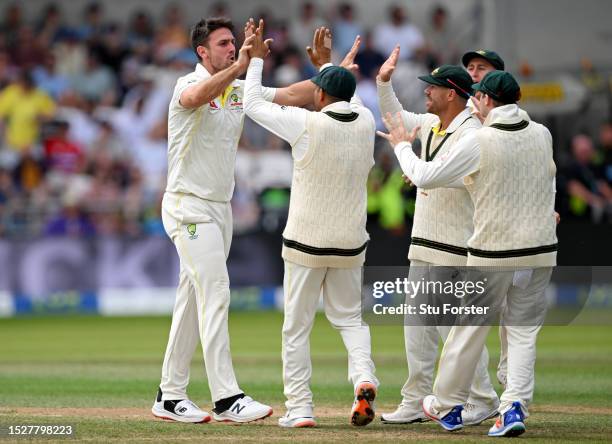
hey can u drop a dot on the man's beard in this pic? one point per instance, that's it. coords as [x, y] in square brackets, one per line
[224, 64]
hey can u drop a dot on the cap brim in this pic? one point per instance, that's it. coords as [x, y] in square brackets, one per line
[433, 81]
[316, 80]
[481, 88]
[471, 55]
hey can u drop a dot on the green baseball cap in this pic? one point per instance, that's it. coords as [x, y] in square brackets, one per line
[336, 81]
[490, 56]
[500, 86]
[453, 77]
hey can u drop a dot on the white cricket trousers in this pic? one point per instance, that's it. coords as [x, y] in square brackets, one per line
[523, 314]
[202, 233]
[421, 344]
[341, 291]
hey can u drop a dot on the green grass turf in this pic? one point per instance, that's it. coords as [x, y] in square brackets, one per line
[73, 362]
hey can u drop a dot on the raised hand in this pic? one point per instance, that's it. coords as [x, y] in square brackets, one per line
[320, 51]
[397, 130]
[349, 59]
[249, 28]
[475, 109]
[260, 47]
[243, 55]
[387, 68]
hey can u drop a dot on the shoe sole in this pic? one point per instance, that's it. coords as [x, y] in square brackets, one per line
[407, 421]
[302, 424]
[363, 413]
[233, 421]
[167, 416]
[511, 431]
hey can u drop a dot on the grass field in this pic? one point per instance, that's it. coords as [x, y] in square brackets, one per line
[101, 375]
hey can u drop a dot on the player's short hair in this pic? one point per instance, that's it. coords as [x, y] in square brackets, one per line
[201, 31]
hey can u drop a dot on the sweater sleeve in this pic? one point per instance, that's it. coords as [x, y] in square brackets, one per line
[447, 171]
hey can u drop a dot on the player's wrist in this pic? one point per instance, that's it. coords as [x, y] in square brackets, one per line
[239, 67]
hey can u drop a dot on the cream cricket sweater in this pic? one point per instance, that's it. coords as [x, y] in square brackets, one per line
[513, 193]
[443, 216]
[327, 209]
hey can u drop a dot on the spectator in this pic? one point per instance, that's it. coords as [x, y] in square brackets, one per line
[93, 23]
[172, 34]
[72, 221]
[303, 28]
[8, 71]
[23, 107]
[29, 173]
[291, 69]
[441, 40]
[70, 55]
[79, 113]
[590, 197]
[367, 92]
[27, 51]
[369, 58]
[11, 22]
[97, 82]
[150, 159]
[111, 49]
[50, 25]
[7, 188]
[141, 31]
[345, 29]
[62, 155]
[107, 140]
[398, 30]
[48, 79]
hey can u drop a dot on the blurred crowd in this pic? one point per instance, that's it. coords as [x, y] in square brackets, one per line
[83, 109]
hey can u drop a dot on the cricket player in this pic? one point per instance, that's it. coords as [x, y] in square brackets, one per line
[442, 225]
[204, 125]
[325, 239]
[478, 64]
[508, 169]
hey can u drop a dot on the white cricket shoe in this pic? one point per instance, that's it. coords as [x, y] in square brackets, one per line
[181, 411]
[296, 420]
[244, 410]
[474, 414]
[404, 415]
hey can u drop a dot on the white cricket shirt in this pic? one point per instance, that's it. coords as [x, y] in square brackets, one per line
[202, 142]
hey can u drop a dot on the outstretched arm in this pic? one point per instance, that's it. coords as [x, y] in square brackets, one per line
[206, 90]
[447, 171]
[387, 100]
[287, 122]
[301, 93]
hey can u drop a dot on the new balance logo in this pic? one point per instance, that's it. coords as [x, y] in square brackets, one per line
[238, 408]
[182, 410]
